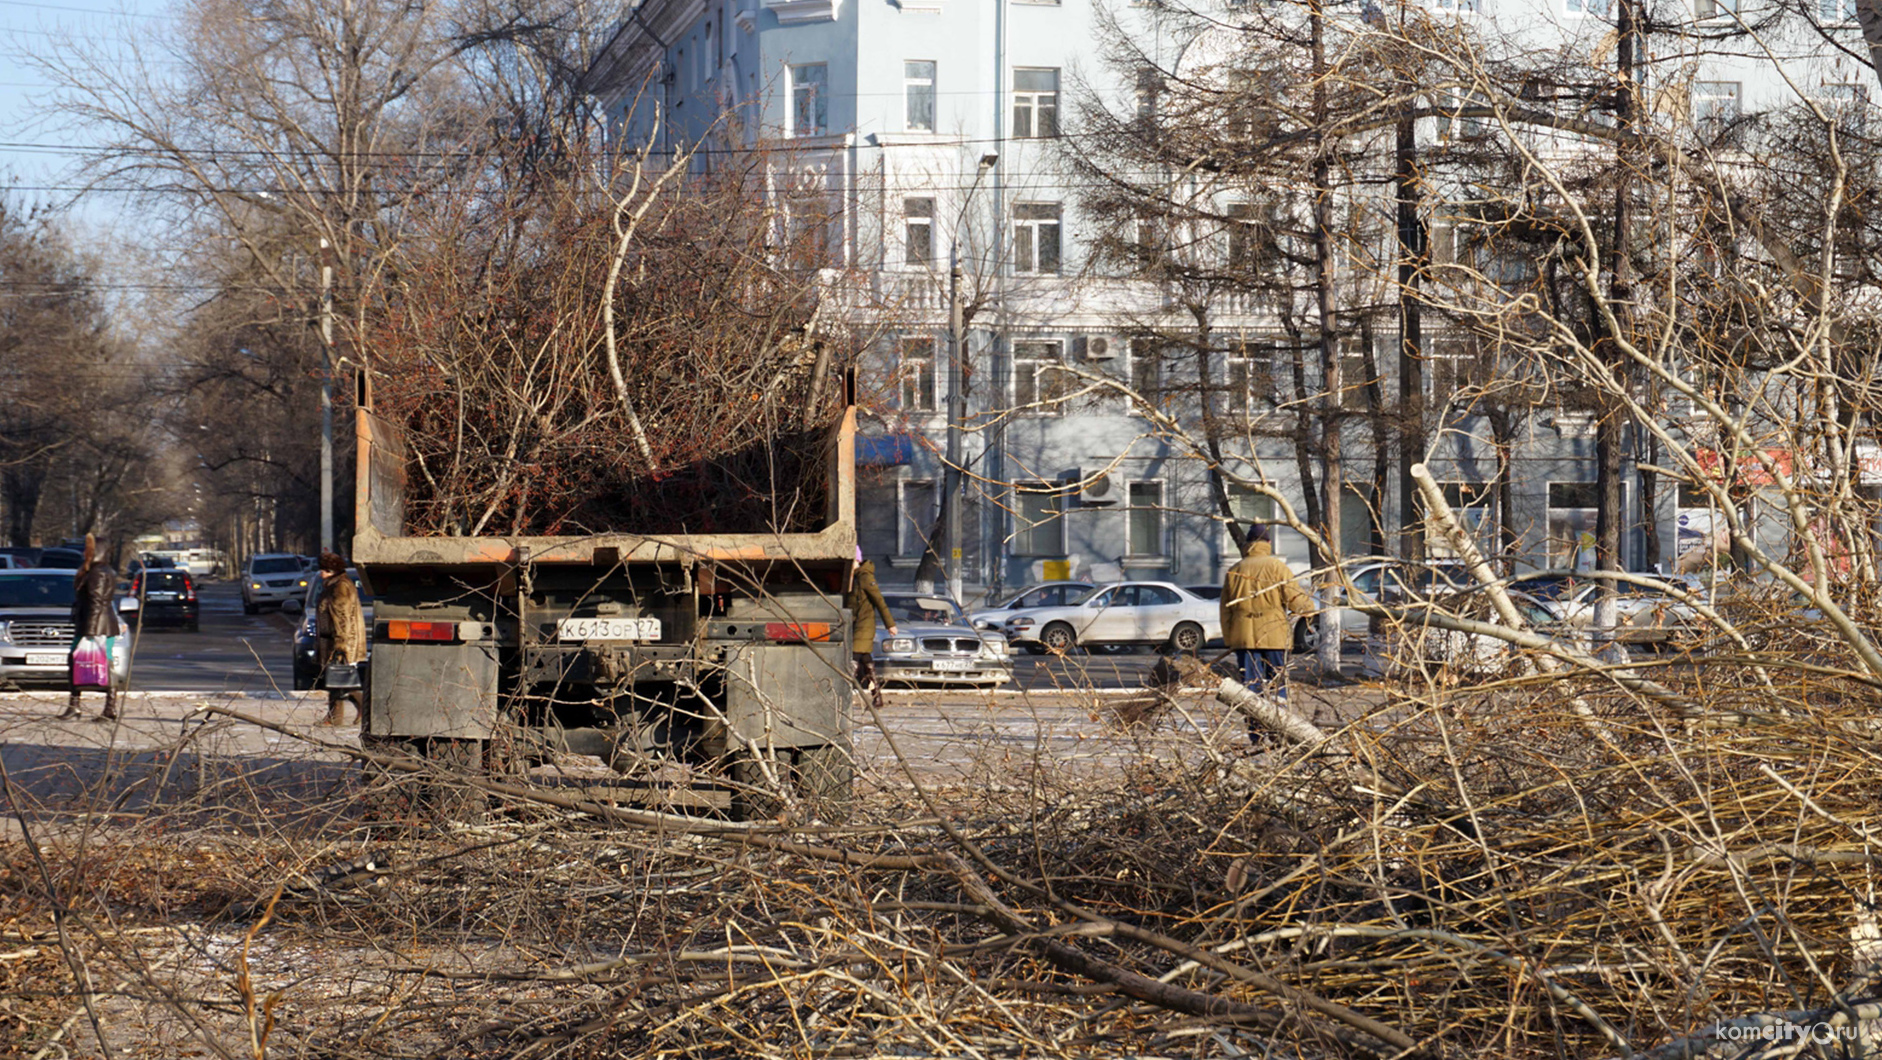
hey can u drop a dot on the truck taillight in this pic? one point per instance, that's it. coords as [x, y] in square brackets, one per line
[402, 629]
[797, 631]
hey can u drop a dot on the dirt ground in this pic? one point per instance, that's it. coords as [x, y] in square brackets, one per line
[143, 855]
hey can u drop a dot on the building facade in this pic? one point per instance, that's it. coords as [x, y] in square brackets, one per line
[928, 139]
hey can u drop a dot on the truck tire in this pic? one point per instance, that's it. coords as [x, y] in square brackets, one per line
[826, 779]
[390, 795]
[821, 778]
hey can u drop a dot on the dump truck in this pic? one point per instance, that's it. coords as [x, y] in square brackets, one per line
[725, 651]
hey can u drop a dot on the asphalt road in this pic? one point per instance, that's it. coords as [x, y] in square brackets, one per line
[233, 653]
[249, 654]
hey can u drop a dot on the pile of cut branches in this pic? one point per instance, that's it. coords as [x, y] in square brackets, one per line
[637, 357]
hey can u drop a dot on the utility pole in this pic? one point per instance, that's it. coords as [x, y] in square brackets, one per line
[326, 396]
[952, 480]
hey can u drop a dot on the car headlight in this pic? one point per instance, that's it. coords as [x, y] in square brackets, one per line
[995, 648]
[254, 585]
[6, 631]
[1020, 623]
[901, 645]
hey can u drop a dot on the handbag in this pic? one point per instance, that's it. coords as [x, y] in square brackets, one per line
[91, 664]
[342, 677]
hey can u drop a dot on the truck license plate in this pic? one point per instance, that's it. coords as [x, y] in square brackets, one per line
[953, 665]
[606, 629]
[45, 658]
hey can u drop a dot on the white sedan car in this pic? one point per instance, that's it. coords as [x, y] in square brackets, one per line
[1156, 613]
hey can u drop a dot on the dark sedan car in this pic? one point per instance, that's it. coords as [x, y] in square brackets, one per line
[60, 559]
[166, 598]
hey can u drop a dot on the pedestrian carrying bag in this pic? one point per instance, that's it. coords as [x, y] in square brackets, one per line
[91, 664]
[342, 677]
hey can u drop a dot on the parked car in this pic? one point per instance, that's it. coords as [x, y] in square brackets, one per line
[306, 644]
[6, 563]
[1395, 582]
[60, 559]
[1157, 613]
[1045, 594]
[36, 630]
[934, 644]
[21, 556]
[1481, 654]
[272, 578]
[166, 598]
[1644, 616]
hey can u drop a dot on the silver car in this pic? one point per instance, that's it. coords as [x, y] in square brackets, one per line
[1045, 594]
[36, 630]
[933, 644]
[273, 579]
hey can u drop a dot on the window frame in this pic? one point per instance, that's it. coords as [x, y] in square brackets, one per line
[1844, 12]
[815, 94]
[1157, 511]
[1464, 497]
[1552, 543]
[909, 542]
[1146, 352]
[1027, 262]
[1025, 533]
[1036, 404]
[1040, 107]
[911, 221]
[911, 83]
[1736, 96]
[1242, 395]
[922, 367]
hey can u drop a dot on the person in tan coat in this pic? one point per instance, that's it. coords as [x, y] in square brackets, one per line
[1259, 595]
[865, 602]
[340, 631]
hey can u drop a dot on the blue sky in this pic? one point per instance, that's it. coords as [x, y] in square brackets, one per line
[35, 153]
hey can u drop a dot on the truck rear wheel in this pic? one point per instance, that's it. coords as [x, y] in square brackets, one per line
[822, 779]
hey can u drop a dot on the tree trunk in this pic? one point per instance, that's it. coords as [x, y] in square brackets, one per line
[23, 485]
[1332, 470]
[1413, 258]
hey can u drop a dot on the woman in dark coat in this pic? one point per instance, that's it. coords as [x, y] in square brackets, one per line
[95, 614]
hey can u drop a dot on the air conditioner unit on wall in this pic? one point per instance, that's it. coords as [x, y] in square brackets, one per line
[1096, 488]
[1095, 347]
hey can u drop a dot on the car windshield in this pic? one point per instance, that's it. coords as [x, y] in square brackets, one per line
[277, 565]
[165, 580]
[37, 590]
[916, 608]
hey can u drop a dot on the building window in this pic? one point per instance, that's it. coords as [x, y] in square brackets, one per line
[1035, 102]
[1705, 9]
[918, 230]
[1036, 238]
[810, 104]
[1146, 519]
[1248, 506]
[917, 374]
[1843, 97]
[1467, 7]
[1244, 237]
[1251, 377]
[1572, 507]
[809, 220]
[1040, 381]
[1599, 8]
[1358, 374]
[1716, 103]
[1474, 504]
[918, 95]
[1037, 528]
[916, 516]
[1834, 11]
[1454, 365]
[1147, 371]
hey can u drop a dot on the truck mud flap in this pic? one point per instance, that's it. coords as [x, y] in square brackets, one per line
[787, 695]
[436, 690]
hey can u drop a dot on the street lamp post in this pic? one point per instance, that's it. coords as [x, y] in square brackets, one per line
[952, 482]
